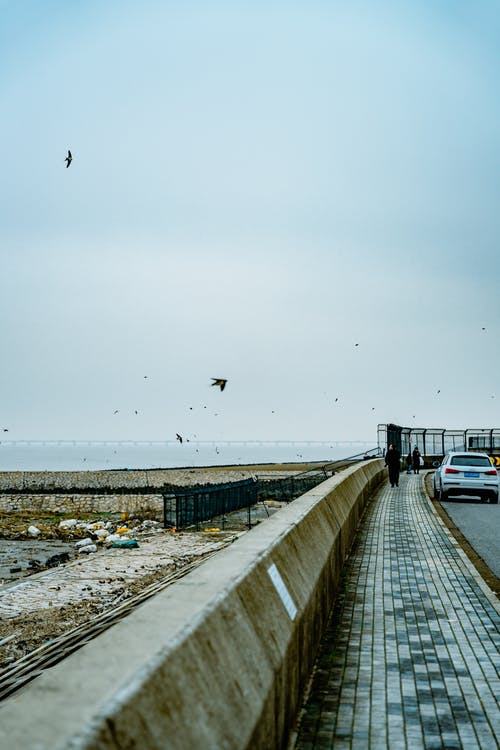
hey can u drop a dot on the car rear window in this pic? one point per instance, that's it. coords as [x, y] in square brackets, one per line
[470, 461]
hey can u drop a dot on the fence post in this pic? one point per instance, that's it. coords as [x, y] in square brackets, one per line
[249, 506]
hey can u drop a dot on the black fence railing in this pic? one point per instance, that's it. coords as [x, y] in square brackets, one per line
[185, 507]
[288, 488]
[189, 506]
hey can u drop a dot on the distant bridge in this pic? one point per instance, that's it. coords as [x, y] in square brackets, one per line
[158, 443]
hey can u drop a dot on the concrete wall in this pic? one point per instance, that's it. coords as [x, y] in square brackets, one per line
[215, 661]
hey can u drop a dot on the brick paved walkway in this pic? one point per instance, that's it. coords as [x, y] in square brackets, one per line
[411, 658]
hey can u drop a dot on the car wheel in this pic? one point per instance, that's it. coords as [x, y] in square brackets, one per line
[494, 499]
[443, 496]
[437, 494]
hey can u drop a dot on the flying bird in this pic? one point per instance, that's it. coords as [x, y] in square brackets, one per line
[439, 391]
[356, 344]
[178, 437]
[68, 159]
[221, 382]
[336, 400]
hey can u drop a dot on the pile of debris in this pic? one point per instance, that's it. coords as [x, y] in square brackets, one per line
[107, 534]
[94, 534]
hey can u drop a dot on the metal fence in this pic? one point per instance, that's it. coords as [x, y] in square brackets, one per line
[288, 488]
[185, 507]
[190, 506]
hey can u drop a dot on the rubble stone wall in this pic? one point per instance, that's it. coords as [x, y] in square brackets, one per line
[33, 481]
[82, 503]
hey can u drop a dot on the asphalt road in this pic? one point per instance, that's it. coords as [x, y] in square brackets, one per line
[479, 522]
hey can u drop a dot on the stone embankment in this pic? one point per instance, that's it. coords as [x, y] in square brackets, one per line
[78, 503]
[28, 490]
[50, 481]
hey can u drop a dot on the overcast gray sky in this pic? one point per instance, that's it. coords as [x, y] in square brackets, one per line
[255, 188]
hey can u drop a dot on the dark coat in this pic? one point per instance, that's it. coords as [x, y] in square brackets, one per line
[392, 457]
[416, 459]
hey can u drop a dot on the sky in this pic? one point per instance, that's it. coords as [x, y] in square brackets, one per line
[302, 198]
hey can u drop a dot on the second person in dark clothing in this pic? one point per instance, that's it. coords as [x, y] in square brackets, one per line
[409, 463]
[416, 460]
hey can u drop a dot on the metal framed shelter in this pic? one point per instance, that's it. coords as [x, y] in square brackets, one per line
[435, 442]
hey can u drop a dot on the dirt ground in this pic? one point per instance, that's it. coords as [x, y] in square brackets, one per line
[48, 604]
[40, 601]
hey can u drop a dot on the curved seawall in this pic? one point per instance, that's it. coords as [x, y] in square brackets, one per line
[219, 660]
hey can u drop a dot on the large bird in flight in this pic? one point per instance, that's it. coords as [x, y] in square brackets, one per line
[221, 382]
[68, 159]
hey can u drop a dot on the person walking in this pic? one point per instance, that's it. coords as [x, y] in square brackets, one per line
[416, 460]
[392, 461]
[409, 463]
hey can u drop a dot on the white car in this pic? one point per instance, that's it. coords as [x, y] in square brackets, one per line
[466, 473]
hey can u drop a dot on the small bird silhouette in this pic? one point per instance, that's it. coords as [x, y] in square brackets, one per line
[135, 411]
[483, 328]
[439, 391]
[356, 344]
[116, 411]
[178, 437]
[221, 382]
[336, 400]
[68, 159]
[5, 429]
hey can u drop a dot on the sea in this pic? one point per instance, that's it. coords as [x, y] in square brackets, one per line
[93, 455]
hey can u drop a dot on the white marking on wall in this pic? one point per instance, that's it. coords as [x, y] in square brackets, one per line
[282, 590]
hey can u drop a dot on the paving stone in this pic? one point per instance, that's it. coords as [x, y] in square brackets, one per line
[411, 656]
